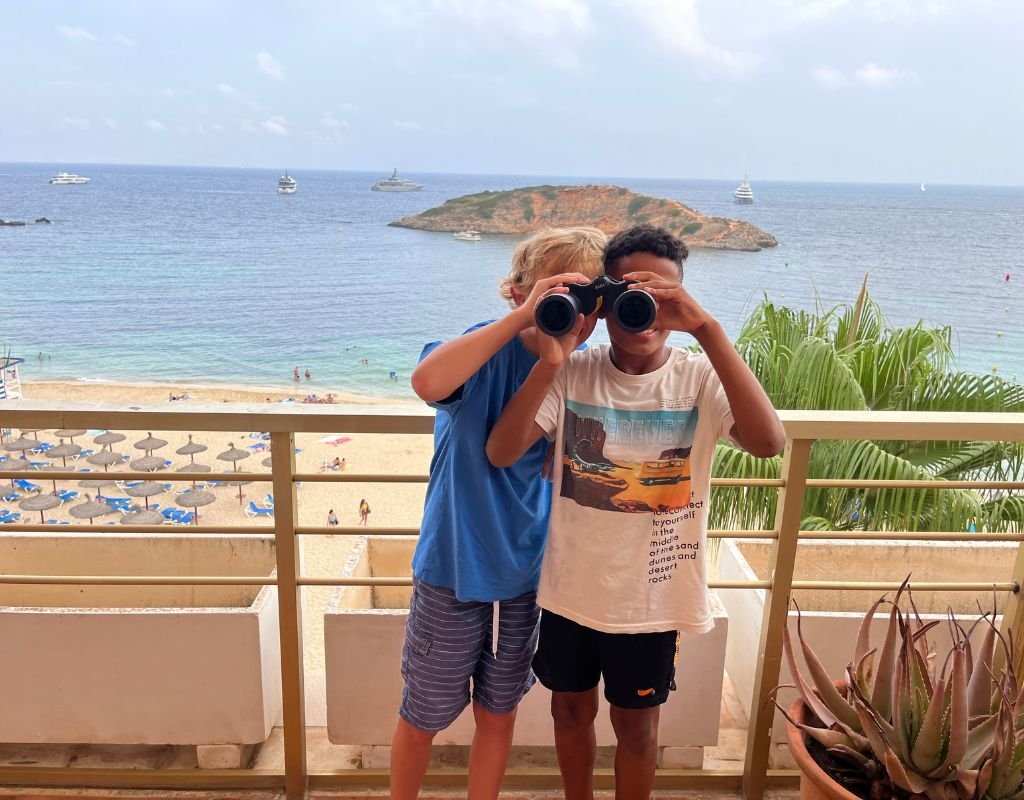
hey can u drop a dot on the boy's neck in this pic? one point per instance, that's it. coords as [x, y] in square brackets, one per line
[631, 364]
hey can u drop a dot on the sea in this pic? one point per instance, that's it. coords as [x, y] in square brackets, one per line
[194, 275]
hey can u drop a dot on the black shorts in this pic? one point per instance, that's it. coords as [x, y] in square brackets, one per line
[638, 668]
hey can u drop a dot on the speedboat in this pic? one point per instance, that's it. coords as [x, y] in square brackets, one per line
[743, 193]
[287, 184]
[396, 184]
[64, 178]
[467, 236]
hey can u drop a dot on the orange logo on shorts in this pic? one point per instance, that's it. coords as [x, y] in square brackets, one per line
[644, 692]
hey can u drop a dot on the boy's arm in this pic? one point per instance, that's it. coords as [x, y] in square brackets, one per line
[757, 427]
[447, 367]
[516, 430]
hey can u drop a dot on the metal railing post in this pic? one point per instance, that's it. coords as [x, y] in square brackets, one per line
[788, 513]
[289, 598]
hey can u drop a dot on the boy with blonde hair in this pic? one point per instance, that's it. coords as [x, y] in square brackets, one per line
[473, 616]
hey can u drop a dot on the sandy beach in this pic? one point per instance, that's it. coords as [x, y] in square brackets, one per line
[392, 505]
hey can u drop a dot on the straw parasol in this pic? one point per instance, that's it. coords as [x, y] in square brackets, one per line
[50, 468]
[21, 444]
[145, 490]
[195, 499]
[149, 463]
[89, 509]
[108, 438]
[233, 454]
[31, 430]
[191, 449]
[96, 483]
[40, 503]
[150, 443]
[239, 484]
[143, 518]
[63, 450]
[268, 461]
[15, 465]
[69, 433]
[192, 466]
[105, 458]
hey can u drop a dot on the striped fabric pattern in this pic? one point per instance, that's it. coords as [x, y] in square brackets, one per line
[447, 654]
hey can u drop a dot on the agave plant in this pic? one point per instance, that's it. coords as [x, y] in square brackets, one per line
[908, 725]
[851, 358]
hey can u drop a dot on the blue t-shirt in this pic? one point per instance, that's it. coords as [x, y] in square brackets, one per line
[483, 529]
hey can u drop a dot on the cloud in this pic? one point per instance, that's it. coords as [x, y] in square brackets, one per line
[350, 108]
[217, 127]
[112, 124]
[812, 11]
[156, 125]
[869, 76]
[552, 29]
[676, 25]
[78, 122]
[406, 126]
[230, 91]
[328, 120]
[167, 92]
[127, 41]
[275, 125]
[269, 65]
[75, 34]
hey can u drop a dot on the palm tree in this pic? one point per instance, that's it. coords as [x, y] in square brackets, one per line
[850, 358]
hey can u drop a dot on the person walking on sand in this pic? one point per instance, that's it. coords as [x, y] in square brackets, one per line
[332, 518]
[364, 512]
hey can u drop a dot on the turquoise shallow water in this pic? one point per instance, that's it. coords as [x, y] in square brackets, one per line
[207, 275]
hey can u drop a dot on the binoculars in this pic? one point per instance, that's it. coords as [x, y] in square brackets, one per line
[632, 309]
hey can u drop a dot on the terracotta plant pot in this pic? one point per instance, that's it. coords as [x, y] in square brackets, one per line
[815, 783]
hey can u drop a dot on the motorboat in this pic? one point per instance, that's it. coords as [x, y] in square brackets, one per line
[467, 236]
[743, 193]
[67, 178]
[396, 184]
[287, 184]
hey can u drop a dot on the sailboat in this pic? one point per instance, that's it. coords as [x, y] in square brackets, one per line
[922, 186]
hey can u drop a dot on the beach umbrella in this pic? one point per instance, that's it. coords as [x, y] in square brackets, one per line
[40, 503]
[192, 466]
[89, 509]
[148, 463]
[105, 458]
[191, 449]
[268, 461]
[108, 438]
[143, 518]
[145, 490]
[195, 499]
[31, 430]
[239, 484]
[233, 454]
[96, 483]
[336, 439]
[69, 433]
[63, 450]
[49, 468]
[21, 444]
[150, 443]
[15, 465]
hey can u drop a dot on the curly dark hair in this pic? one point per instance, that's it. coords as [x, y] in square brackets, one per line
[645, 239]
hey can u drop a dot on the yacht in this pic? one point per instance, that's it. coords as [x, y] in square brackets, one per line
[396, 184]
[467, 236]
[62, 178]
[743, 193]
[922, 187]
[287, 184]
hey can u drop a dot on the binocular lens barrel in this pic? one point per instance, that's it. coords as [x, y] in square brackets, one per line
[635, 311]
[557, 313]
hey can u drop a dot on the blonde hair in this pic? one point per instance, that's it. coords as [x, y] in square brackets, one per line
[551, 252]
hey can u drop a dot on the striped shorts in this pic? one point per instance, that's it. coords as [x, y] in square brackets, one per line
[448, 646]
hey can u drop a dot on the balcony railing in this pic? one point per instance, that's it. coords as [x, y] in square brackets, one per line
[802, 429]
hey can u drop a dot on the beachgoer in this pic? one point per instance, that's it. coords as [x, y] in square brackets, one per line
[309, 375]
[364, 512]
[634, 403]
[295, 374]
[477, 560]
[332, 518]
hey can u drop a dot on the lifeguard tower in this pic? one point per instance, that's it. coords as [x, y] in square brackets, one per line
[10, 380]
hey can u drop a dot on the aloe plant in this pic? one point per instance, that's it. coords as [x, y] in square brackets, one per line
[910, 725]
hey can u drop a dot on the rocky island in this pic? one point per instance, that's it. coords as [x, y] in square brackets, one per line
[610, 208]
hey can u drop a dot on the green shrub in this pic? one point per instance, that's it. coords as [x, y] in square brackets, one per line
[692, 228]
[636, 204]
[527, 204]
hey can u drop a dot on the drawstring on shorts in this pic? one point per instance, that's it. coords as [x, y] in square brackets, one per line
[494, 629]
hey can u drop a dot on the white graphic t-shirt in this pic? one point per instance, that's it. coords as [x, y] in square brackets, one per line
[632, 470]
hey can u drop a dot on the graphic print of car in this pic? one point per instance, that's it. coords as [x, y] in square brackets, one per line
[672, 470]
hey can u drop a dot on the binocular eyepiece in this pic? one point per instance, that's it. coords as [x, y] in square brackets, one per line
[632, 309]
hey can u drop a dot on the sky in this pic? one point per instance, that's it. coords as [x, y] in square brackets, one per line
[822, 90]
